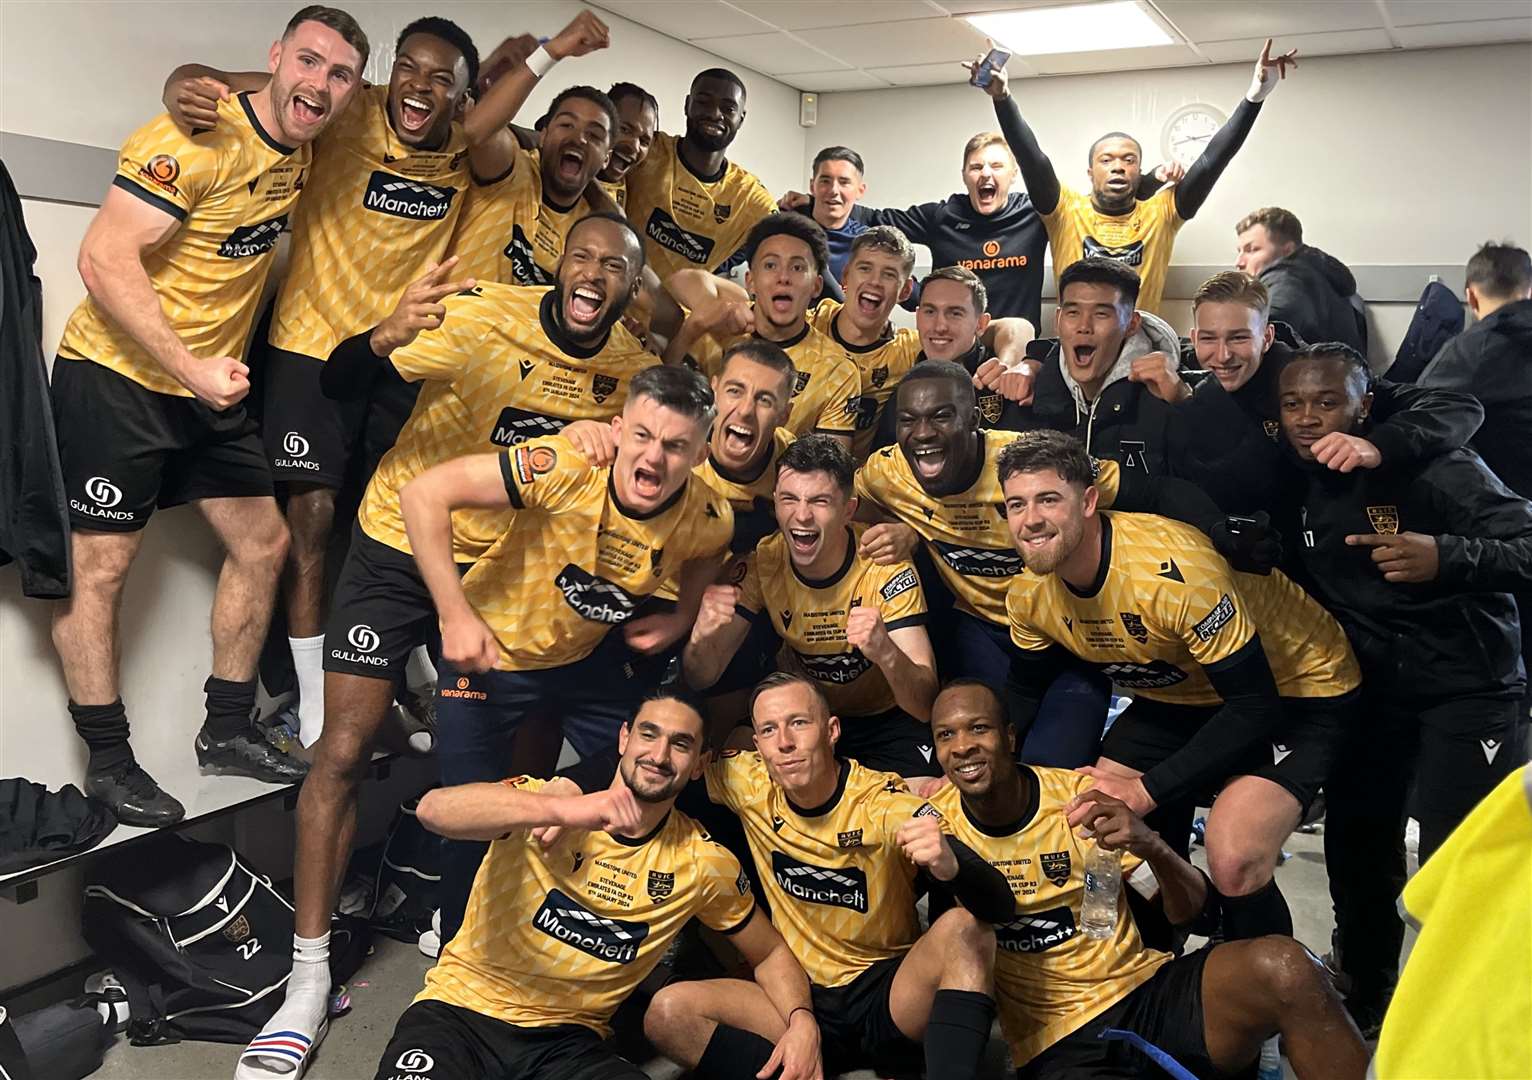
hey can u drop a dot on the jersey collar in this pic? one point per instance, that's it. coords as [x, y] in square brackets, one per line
[1102, 570]
[883, 339]
[790, 342]
[634, 515]
[719, 175]
[640, 841]
[1028, 809]
[244, 101]
[549, 319]
[740, 478]
[845, 566]
[829, 804]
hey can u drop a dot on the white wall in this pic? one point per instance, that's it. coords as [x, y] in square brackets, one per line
[44, 48]
[1394, 158]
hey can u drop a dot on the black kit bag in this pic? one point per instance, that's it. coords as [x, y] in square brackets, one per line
[408, 880]
[200, 941]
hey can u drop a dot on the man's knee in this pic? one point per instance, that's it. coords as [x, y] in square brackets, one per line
[355, 708]
[672, 1009]
[310, 517]
[964, 939]
[1238, 870]
[101, 561]
[262, 541]
[1285, 971]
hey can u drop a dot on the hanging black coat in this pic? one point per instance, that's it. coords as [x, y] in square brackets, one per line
[34, 517]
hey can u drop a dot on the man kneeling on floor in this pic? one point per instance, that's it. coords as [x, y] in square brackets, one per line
[556, 938]
[1060, 989]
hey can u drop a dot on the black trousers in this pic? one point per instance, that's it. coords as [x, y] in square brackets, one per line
[1449, 753]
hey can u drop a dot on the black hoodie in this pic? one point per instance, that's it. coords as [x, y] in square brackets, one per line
[1311, 291]
[1005, 249]
[1492, 360]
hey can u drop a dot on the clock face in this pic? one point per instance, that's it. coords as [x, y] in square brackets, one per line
[1187, 132]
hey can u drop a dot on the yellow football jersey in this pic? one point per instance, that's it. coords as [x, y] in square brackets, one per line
[826, 387]
[755, 516]
[509, 231]
[687, 220]
[1142, 238]
[377, 212]
[1167, 605]
[810, 617]
[1050, 979]
[498, 372]
[574, 563]
[617, 192]
[841, 891]
[881, 365]
[231, 189]
[969, 541]
[563, 936]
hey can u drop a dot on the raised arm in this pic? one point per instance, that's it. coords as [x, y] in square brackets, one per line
[1037, 171]
[427, 502]
[1193, 191]
[903, 655]
[490, 811]
[193, 91]
[111, 263]
[492, 146]
[716, 636]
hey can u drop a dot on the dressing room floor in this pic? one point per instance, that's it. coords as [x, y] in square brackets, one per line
[394, 973]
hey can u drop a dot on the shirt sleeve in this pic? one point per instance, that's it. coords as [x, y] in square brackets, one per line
[838, 417]
[896, 804]
[447, 352]
[1019, 600]
[751, 598]
[729, 779]
[540, 474]
[727, 903]
[167, 169]
[1210, 618]
[901, 600]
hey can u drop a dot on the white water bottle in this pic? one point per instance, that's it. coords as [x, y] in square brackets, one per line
[1103, 881]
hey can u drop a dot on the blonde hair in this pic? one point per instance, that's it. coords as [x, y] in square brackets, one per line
[1234, 287]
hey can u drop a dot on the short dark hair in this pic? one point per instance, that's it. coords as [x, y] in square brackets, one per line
[721, 75]
[1282, 224]
[591, 94]
[677, 388]
[799, 227]
[1355, 362]
[452, 34]
[820, 453]
[763, 352]
[838, 153]
[888, 239]
[1035, 451]
[942, 371]
[1098, 270]
[965, 682]
[1500, 270]
[776, 681]
[678, 693]
[963, 276]
[617, 219]
[339, 21]
[1091, 154]
[620, 90]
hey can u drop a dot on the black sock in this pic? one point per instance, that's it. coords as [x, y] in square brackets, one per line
[229, 705]
[733, 1053]
[1262, 912]
[957, 1033]
[105, 730]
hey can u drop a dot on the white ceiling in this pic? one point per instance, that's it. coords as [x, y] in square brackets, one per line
[828, 45]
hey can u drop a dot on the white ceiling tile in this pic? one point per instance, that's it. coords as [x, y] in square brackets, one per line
[828, 81]
[814, 14]
[921, 41]
[1341, 41]
[686, 19]
[922, 74]
[973, 7]
[771, 53]
[1201, 21]
[1489, 32]
[1422, 12]
[1155, 56]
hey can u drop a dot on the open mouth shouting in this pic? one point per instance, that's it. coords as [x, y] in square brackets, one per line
[1083, 356]
[415, 114]
[621, 160]
[584, 307]
[869, 304]
[308, 110]
[738, 440]
[571, 166]
[988, 191]
[781, 305]
[804, 542]
[929, 462]
[647, 483]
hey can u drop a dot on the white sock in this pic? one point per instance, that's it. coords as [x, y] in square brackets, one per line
[308, 662]
[307, 1000]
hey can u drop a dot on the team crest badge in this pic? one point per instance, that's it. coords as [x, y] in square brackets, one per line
[879, 376]
[1272, 429]
[660, 885]
[849, 839]
[1385, 519]
[237, 930]
[1135, 627]
[800, 381]
[1055, 866]
[656, 557]
[602, 386]
[990, 407]
[721, 212]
